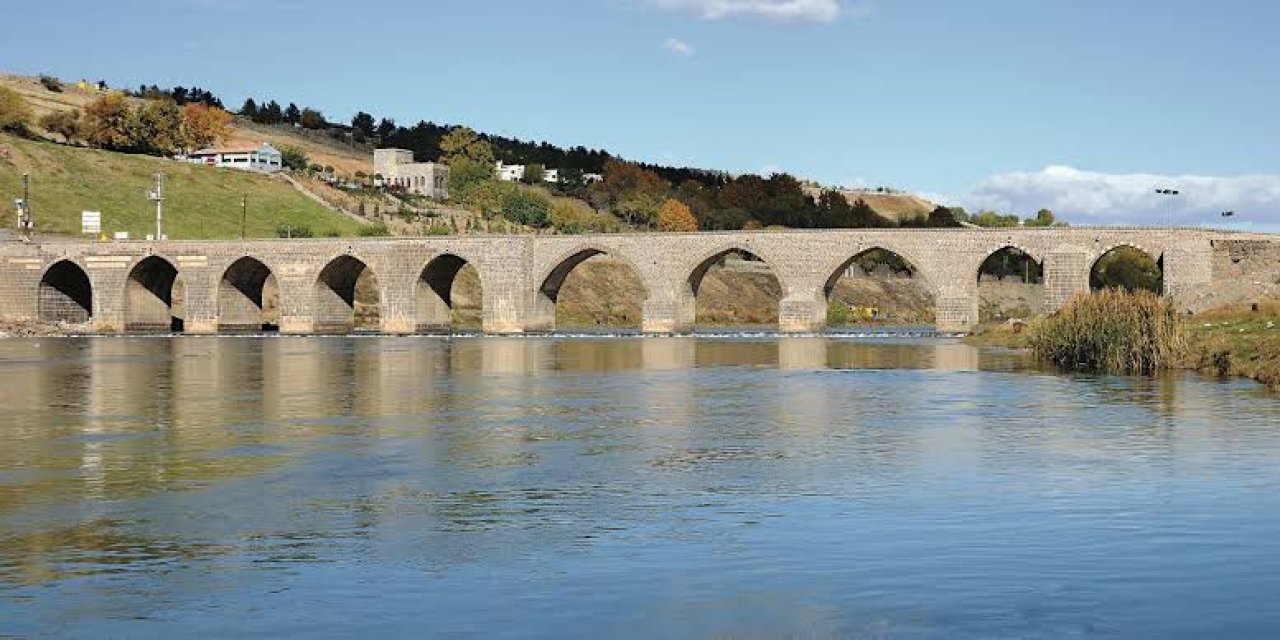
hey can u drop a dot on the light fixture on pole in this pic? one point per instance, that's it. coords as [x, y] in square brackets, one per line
[1169, 213]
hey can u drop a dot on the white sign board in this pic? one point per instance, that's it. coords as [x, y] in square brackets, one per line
[91, 222]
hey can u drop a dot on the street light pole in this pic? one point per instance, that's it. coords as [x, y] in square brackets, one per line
[244, 212]
[1169, 212]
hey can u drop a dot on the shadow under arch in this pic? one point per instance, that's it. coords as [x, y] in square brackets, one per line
[879, 285]
[1010, 283]
[248, 297]
[154, 297]
[1127, 266]
[64, 294]
[448, 287]
[346, 296]
[734, 286]
[617, 291]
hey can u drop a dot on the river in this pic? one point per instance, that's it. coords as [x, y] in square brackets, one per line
[622, 487]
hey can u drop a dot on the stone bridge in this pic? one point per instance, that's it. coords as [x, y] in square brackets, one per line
[129, 286]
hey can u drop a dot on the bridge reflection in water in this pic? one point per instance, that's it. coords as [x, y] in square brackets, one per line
[199, 473]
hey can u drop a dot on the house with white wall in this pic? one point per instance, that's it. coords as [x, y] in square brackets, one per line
[265, 158]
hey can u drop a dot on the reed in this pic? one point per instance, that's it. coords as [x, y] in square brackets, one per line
[1111, 331]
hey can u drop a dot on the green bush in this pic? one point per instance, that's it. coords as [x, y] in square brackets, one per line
[291, 231]
[527, 207]
[375, 230]
[1112, 331]
[293, 158]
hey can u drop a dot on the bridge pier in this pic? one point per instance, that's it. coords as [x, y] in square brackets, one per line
[956, 309]
[668, 313]
[806, 313]
[1066, 274]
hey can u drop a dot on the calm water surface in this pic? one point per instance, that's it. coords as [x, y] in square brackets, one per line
[618, 487]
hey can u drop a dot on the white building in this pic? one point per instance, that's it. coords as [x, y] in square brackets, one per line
[510, 172]
[263, 158]
[396, 168]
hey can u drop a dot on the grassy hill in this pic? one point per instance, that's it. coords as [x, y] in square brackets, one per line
[201, 202]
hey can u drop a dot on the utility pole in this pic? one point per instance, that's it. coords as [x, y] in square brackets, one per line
[244, 212]
[156, 195]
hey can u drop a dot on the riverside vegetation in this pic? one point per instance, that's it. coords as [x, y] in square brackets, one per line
[1117, 331]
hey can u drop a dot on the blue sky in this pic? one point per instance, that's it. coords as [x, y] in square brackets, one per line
[1080, 106]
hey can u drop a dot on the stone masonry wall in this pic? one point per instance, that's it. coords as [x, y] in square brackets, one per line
[517, 272]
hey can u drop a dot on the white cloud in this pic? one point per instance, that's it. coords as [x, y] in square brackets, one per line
[675, 45]
[813, 11]
[1087, 197]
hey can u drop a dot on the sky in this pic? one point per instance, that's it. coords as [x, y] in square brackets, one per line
[1084, 107]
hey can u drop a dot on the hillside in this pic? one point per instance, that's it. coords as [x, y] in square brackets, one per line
[201, 202]
[893, 206]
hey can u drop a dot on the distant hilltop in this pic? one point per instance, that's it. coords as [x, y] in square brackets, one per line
[892, 204]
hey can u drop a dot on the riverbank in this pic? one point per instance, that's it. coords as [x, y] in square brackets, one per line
[1234, 341]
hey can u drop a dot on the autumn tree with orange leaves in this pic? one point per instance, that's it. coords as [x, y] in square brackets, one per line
[203, 125]
[676, 216]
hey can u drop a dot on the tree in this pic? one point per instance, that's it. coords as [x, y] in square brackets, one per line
[942, 217]
[65, 122]
[293, 158]
[271, 113]
[363, 125]
[15, 115]
[154, 127]
[312, 119]
[988, 218]
[386, 129]
[463, 143]
[105, 122]
[676, 216]
[249, 109]
[291, 114]
[527, 207]
[203, 125]
[534, 173]
[470, 159]
[1044, 218]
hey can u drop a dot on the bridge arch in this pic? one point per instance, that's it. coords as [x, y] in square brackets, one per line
[434, 291]
[770, 279]
[150, 303]
[346, 296]
[1127, 265]
[887, 284]
[1010, 282]
[551, 282]
[65, 294]
[248, 297]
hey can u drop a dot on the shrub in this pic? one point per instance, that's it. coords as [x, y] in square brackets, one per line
[51, 83]
[293, 158]
[1111, 331]
[527, 207]
[15, 115]
[65, 123]
[332, 233]
[293, 231]
[375, 230]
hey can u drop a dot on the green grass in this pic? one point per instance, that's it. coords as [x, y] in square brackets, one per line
[200, 202]
[1237, 342]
